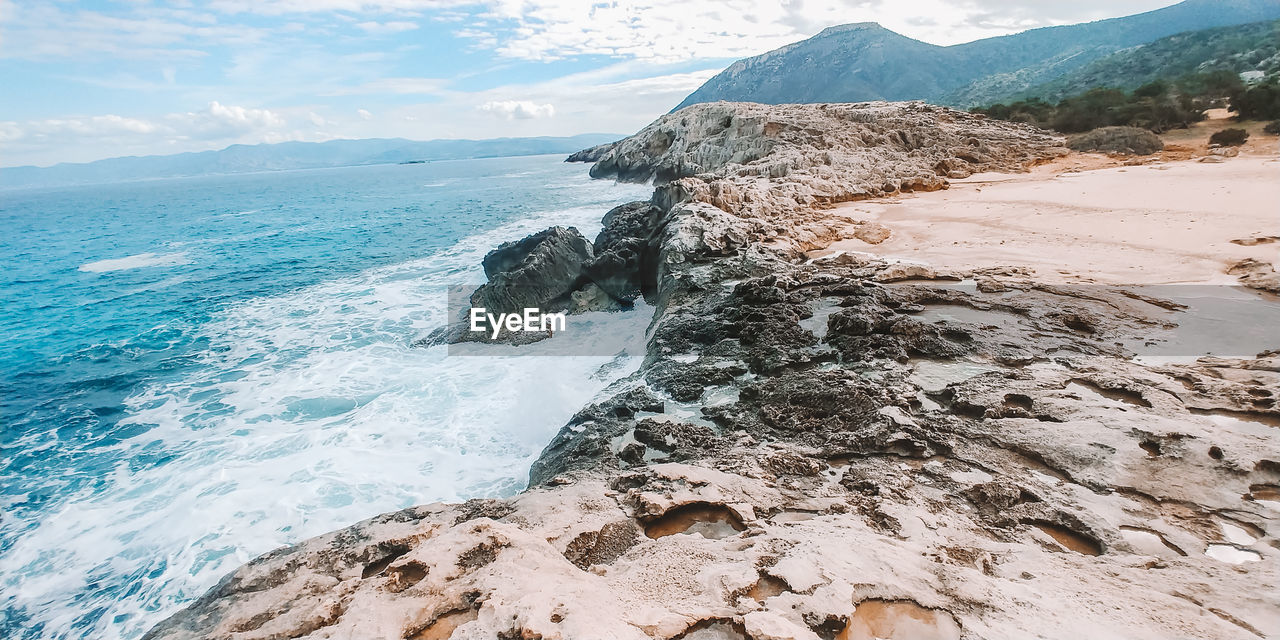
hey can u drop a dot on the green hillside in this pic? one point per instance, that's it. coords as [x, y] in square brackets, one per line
[1250, 47]
[865, 61]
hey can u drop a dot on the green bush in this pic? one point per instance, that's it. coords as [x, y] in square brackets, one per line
[1152, 90]
[1131, 140]
[1090, 110]
[1261, 102]
[1272, 128]
[1155, 106]
[1229, 137]
[1212, 85]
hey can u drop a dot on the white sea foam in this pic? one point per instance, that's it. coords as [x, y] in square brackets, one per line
[310, 411]
[136, 262]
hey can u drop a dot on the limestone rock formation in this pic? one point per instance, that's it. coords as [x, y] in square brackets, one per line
[1256, 274]
[777, 167]
[591, 154]
[835, 447]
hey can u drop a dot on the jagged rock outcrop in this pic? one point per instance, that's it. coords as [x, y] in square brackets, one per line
[538, 271]
[821, 153]
[1256, 274]
[626, 250]
[544, 271]
[591, 154]
[835, 447]
[776, 167]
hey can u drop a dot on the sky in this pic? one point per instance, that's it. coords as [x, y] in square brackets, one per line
[84, 80]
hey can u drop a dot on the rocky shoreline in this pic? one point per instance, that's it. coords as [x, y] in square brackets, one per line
[833, 447]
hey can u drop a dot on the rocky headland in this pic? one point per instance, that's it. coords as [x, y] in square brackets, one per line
[829, 443]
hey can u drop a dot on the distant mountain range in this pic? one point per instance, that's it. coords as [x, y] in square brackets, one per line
[864, 61]
[291, 155]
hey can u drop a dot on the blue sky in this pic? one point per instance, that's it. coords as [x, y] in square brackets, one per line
[94, 79]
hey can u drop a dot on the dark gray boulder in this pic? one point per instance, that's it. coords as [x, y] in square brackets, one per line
[625, 261]
[539, 271]
[591, 154]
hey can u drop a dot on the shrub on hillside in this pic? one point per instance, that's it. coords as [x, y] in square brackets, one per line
[1212, 85]
[1131, 140]
[1261, 102]
[1229, 137]
[1153, 106]
[1272, 128]
[1089, 110]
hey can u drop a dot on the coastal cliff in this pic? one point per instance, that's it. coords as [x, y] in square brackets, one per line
[831, 446]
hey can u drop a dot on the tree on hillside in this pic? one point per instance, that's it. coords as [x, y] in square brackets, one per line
[1152, 89]
[1212, 85]
[1261, 102]
[1158, 106]
[1090, 110]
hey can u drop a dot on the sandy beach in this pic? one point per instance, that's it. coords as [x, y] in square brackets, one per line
[1090, 218]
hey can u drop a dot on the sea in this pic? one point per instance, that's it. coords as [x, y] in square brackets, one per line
[195, 371]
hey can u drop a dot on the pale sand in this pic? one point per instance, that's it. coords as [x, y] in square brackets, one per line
[1151, 224]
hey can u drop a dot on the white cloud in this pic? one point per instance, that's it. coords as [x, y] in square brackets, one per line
[323, 58]
[679, 30]
[394, 26]
[105, 126]
[42, 31]
[284, 7]
[394, 86]
[112, 135]
[219, 121]
[620, 98]
[611, 100]
[656, 30]
[518, 109]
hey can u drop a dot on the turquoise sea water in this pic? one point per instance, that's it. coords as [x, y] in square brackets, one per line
[195, 371]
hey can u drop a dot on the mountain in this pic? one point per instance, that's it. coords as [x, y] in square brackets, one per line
[865, 61]
[1253, 47]
[291, 155]
[849, 63]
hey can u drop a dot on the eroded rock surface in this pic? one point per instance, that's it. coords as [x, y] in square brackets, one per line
[1256, 274]
[540, 270]
[833, 448]
[591, 154]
